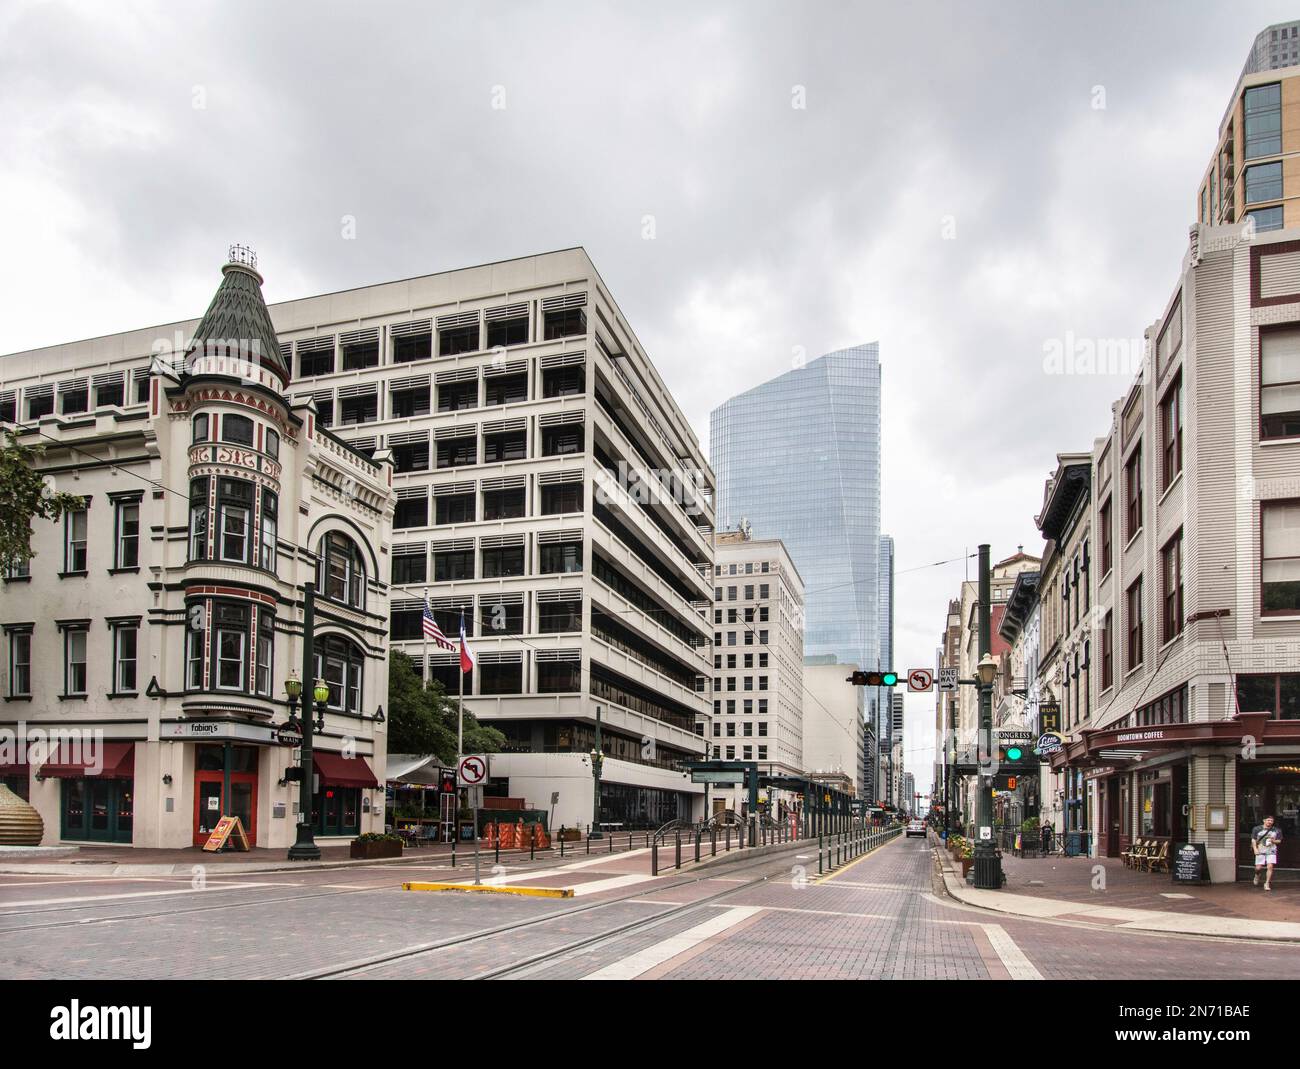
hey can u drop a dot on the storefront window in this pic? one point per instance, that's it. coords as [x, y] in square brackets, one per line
[336, 810]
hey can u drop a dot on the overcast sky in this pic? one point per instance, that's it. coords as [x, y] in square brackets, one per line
[964, 183]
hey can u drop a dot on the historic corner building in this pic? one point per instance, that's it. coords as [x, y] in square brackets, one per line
[150, 637]
[1193, 733]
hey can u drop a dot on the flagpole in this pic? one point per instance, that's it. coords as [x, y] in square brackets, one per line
[460, 701]
[424, 668]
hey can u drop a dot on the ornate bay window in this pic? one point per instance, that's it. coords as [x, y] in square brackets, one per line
[234, 513]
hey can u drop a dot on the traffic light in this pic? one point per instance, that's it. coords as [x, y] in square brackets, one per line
[1005, 782]
[1012, 753]
[873, 679]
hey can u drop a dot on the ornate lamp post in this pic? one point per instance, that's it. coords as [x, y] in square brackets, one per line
[988, 862]
[305, 848]
[597, 760]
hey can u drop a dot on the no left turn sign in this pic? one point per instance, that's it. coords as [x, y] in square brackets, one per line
[920, 680]
[472, 770]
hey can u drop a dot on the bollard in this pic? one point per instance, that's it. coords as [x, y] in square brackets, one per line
[819, 855]
[611, 842]
[496, 860]
[713, 835]
[561, 846]
[728, 850]
[654, 859]
[453, 853]
[697, 845]
[532, 845]
[678, 863]
[589, 838]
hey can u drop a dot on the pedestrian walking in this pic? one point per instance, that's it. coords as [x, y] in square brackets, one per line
[1264, 841]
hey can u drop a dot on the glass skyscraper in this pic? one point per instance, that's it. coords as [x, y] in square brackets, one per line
[799, 458]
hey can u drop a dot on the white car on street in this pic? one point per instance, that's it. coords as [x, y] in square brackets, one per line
[916, 827]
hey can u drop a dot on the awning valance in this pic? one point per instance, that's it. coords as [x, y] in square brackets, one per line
[78, 760]
[338, 771]
[1122, 747]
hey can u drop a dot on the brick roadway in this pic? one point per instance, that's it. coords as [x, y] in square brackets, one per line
[879, 917]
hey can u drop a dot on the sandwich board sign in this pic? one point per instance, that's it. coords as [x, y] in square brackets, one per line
[228, 830]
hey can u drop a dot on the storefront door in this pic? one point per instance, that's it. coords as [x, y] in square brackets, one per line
[1112, 817]
[1269, 791]
[97, 809]
[209, 807]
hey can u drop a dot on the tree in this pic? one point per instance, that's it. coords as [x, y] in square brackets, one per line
[422, 720]
[24, 496]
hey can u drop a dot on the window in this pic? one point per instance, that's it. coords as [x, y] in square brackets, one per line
[1266, 219]
[561, 557]
[411, 512]
[237, 430]
[194, 655]
[412, 457]
[74, 397]
[410, 401]
[1263, 108]
[265, 651]
[230, 645]
[74, 544]
[564, 323]
[342, 570]
[1107, 549]
[1279, 383]
[1263, 182]
[458, 339]
[559, 677]
[272, 444]
[234, 509]
[562, 440]
[74, 662]
[126, 553]
[1171, 432]
[511, 445]
[501, 618]
[410, 567]
[361, 354]
[1133, 492]
[199, 428]
[410, 347]
[503, 504]
[512, 331]
[198, 519]
[270, 528]
[339, 663]
[454, 396]
[1280, 573]
[505, 389]
[556, 616]
[563, 381]
[317, 361]
[561, 497]
[452, 564]
[1133, 608]
[20, 664]
[1172, 588]
[405, 624]
[125, 639]
[361, 409]
[40, 401]
[454, 508]
[501, 678]
[1276, 694]
[503, 561]
[456, 452]
[109, 390]
[8, 407]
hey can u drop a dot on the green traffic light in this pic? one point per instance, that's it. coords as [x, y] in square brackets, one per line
[890, 678]
[1014, 753]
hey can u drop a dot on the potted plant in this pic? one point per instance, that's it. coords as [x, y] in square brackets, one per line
[967, 857]
[568, 835]
[372, 845]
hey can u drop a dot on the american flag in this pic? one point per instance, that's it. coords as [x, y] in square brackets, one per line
[432, 630]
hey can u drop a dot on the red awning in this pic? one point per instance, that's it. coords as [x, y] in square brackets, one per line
[11, 766]
[336, 770]
[75, 760]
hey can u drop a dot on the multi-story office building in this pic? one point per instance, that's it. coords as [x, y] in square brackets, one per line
[896, 750]
[908, 802]
[832, 723]
[550, 491]
[870, 761]
[1254, 173]
[879, 698]
[148, 642]
[757, 660]
[799, 458]
[945, 716]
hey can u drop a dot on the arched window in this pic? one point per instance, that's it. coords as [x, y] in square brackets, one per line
[340, 663]
[343, 573]
[238, 430]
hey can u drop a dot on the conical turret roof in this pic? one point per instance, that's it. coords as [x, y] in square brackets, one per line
[237, 317]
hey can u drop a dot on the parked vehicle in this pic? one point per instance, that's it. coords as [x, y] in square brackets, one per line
[916, 827]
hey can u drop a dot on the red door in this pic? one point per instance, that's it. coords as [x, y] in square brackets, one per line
[210, 807]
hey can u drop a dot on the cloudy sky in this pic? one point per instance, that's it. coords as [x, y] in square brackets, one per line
[968, 184]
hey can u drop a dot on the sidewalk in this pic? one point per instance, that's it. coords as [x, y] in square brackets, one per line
[1063, 888]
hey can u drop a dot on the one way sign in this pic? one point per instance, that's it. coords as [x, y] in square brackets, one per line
[920, 680]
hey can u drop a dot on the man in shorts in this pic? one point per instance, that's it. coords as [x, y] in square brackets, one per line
[1264, 842]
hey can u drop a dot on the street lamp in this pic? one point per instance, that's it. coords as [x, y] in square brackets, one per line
[293, 688]
[597, 760]
[988, 862]
[320, 692]
[987, 669]
[305, 848]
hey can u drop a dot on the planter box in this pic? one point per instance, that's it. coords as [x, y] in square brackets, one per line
[966, 863]
[370, 851]
[569, 835]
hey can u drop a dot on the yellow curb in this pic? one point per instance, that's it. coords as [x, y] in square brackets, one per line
[536, 892]
[849, 864]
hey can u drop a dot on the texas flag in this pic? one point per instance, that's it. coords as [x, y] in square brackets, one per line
[466, 655]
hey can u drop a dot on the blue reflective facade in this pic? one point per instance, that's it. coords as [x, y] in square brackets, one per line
[799, 457]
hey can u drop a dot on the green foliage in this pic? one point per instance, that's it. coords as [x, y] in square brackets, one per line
[377, 837]
[422, 720]
[24, 496]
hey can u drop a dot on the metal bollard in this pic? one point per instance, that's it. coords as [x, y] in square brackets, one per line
[611, 842]
[497, 849]
[532, 847]
[453, 853]
[654, 859]
[819, 855]
[697, 845]
[589, 838]
[561, 846]
[728, 839]
[678, 863]
[713, 835]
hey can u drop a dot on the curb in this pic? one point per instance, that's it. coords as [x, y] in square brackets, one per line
[501, 889]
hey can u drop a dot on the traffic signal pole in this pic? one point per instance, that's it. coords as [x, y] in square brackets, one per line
[988, 863]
